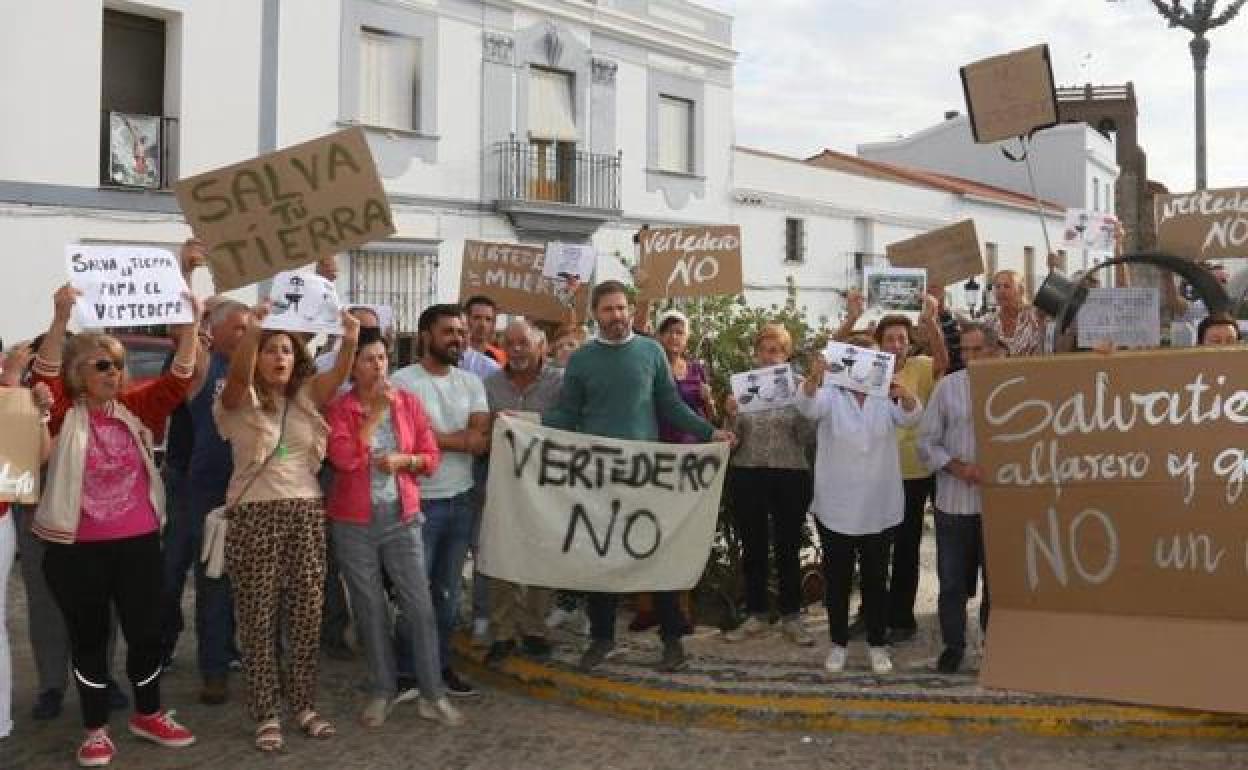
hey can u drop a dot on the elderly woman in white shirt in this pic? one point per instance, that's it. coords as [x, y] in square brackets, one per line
[858, 497]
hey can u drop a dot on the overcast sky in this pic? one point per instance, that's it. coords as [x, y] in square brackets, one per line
[836, 73]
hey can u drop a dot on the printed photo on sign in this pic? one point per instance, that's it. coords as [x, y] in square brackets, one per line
[1129, 317]
[862, 369]
[570, 260]
[304, 302]
[1089, 230]
[758, 390]
[125, 286]
[893, 290]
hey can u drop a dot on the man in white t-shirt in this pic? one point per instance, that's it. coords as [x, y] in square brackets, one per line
[458, 410]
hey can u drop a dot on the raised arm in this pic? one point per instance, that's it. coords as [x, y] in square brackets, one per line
[48, 358]
[238, 381]
[324, 386]
[855, 306]
[930, 323]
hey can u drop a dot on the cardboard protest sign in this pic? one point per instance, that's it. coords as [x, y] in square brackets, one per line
[1113, 522]
[1010, 95]
[1091, 230]
[1207, 224]
[758, 390]
[588, 513]
[950, 254]
[691, 261]
[304, 302]
[568, 260]
[893, 291]
[862, 369]
[1130, 317]
[511, 275]
[126, 286]
[19, 446]
[287, 209]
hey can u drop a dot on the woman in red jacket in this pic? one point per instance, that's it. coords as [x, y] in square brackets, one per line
[380, 441]
[101, 513]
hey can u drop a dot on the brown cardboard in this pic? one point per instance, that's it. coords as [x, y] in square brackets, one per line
[690, 261]
[1206, 224]
[1083, 602]
[1010, 95]
[19, 446]
[287, 209]
[511, 275]
[950, 254]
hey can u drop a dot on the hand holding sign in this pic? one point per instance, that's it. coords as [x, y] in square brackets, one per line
[63, 302]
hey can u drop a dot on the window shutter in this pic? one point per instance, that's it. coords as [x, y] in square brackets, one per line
[389, 80]
[675, 134]
[551, 113]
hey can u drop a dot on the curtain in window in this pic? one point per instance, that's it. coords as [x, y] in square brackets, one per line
[675, 134]
[389, 80]
[550, 105]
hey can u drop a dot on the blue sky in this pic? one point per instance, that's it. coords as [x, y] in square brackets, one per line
[835, 73]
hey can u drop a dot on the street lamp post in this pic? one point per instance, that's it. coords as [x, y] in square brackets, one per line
[1199, 20]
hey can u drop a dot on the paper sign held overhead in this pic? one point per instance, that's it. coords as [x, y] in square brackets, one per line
[304, 302]
[1129, 317]
[1089, 230]
[950, 254]
[511, 275]
[287, 209]
[1208, 224]
[570, 260]
[1010, 95]
[759, 390]
[19, 446]
[1113, 524]
[690, 261]
[862, 369]
[893, 291]
[125, 286]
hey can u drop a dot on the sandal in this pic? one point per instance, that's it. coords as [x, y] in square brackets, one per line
[314, 725]
[269, 736]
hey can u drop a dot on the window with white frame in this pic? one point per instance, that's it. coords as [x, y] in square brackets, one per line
[390, 77]
[794, 240]
[675, 134]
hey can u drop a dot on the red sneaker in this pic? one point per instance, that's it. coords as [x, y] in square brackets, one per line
[97, 749]
[161, 728]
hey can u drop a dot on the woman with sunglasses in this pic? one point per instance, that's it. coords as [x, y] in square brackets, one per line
[101, 514]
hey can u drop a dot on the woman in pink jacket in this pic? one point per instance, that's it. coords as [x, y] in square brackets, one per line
[380, 442]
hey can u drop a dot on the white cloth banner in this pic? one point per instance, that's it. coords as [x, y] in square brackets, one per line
[587, 513]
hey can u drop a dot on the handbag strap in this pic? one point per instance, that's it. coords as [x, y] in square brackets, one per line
[281, 435]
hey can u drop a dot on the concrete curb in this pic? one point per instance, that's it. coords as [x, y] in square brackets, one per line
[846, 712]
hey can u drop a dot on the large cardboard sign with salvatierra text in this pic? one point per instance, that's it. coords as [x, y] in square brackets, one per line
[690, 261]
[511, 275]
[950, 254]
[1114, 525]
[287, 209]
[19, 446]
[1010, 95]
[1206, 224]
[587, 513]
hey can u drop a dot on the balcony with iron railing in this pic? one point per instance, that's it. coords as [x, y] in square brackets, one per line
[555, 190]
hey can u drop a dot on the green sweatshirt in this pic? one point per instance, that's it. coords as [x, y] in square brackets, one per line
[621, 391]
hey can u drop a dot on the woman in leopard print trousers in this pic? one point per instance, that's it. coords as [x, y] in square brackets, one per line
[270, 412]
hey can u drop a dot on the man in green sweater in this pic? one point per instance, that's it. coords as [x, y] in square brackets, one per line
[619, 385]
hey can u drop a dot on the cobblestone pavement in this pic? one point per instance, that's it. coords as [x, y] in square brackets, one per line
[506, 730]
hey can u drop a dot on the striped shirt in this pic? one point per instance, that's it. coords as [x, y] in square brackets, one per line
[1029, 332]
[947, 432]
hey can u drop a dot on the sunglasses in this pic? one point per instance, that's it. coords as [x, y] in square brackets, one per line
[107, 365]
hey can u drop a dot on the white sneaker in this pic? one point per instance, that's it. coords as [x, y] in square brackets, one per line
[796, 633]
[835, 663]
[440, 711]
[881, 662]
[753, 626]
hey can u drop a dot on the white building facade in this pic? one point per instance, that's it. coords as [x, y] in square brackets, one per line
[506, 120]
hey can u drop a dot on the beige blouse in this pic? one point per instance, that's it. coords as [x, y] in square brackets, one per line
[776, 438]
[253, 434]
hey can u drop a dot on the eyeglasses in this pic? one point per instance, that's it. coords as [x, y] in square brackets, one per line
[107, 365]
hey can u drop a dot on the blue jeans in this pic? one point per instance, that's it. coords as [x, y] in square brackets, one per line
[959, 564]
[447, 533]
[362, 550]
[214, 600]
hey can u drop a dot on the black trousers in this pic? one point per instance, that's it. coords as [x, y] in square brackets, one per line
[88, 580]
[769, 506]
[960, 565]
[839, 555]
[602, 610]
[903, 583]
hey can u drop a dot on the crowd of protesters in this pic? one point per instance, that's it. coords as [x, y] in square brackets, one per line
[312, 485]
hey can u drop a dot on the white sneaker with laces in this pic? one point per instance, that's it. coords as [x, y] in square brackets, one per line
[441, 711]
[835, 662]
[881, 661]
[753, 626]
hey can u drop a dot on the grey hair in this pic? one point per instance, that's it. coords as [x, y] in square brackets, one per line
[991, 338]
[536, 335]
[224, 309]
